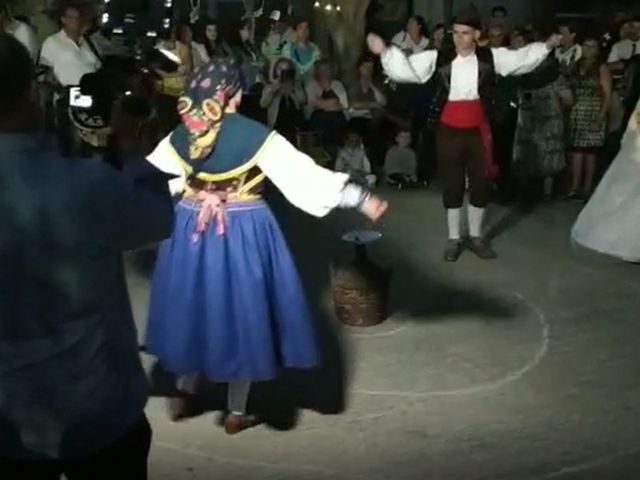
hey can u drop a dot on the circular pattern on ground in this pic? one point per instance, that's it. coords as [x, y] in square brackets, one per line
[455, 354]
[386, 329]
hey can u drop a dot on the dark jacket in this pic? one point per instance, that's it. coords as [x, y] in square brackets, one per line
[71, 381]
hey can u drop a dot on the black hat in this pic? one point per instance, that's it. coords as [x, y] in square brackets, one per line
[469, 16]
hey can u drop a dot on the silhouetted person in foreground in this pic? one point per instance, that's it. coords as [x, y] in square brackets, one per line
[72, 388]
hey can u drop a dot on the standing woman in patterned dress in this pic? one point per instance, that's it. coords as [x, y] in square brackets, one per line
[588, 120]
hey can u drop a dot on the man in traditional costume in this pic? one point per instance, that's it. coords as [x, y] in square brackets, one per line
[466, 80]
[226, 301]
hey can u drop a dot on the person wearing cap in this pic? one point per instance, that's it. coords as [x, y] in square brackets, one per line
[280, 34]
[466, 79]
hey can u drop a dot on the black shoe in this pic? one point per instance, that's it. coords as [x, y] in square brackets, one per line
[453, 251]
[482, 249]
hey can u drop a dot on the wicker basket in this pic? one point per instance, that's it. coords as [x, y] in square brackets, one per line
[360, 290]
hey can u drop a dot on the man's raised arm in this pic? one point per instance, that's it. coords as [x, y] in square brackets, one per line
[416, 68]
[524, 60]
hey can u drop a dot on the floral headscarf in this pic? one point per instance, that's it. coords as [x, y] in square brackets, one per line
[203, 103]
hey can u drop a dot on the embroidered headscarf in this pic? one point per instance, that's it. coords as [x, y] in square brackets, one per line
[202, 105]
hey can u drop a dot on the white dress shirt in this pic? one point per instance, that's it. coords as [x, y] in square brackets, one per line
[26, 36]
[624, 50]
[70, 61]
[420, 67]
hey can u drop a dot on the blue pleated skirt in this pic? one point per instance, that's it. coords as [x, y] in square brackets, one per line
[230, 307]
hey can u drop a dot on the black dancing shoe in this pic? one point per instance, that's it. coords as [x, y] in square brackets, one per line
[481, 249]
[453, 251]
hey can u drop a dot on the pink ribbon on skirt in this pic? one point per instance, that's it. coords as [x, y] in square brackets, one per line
[212, 206]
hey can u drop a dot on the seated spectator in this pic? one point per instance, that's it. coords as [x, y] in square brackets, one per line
[284, 98]
[352, 159]
[415, 38]
[327, 102]
[72, 387]
[365, 97]
[401, 163]
[69, 57]
[207, 44]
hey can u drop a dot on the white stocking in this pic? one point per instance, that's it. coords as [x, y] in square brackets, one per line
[237, 397]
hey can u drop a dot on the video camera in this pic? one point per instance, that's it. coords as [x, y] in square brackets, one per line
[141, 22]
[137, 18]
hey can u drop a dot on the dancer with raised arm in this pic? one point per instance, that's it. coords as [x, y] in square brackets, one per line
[466, 80]
[226, 301]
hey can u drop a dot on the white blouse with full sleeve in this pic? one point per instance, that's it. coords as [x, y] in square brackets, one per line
[420, 67]
[306, 185]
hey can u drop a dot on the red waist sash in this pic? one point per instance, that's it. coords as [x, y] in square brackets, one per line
[467, 114]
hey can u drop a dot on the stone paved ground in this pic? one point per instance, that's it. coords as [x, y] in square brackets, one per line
[526, 368]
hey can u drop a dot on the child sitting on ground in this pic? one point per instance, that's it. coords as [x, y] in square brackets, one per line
[352, 159]
[401, 164]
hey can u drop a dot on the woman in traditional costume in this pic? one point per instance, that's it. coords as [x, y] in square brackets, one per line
[226, 301]
[609, 222]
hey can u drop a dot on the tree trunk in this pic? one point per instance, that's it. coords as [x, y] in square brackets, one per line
[347, 29]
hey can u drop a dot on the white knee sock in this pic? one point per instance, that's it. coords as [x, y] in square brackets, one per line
[476, 215]
[453, 222]
[237, 397]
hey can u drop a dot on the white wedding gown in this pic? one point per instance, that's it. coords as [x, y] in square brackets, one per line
[610, 222]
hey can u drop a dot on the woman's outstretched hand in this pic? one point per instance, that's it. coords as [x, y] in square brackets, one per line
[374, 207]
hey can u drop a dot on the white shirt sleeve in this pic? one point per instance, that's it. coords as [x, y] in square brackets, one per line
[46, 52]
[309, 187]
[417, 68]
[521, 61]
[165, 159]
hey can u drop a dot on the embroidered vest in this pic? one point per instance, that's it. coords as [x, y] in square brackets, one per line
[232, 165]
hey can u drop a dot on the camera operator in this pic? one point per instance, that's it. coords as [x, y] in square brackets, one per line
[72, 388]
[69, 57]
[284, 98]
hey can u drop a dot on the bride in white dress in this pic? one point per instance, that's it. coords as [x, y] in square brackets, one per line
[610, 222]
